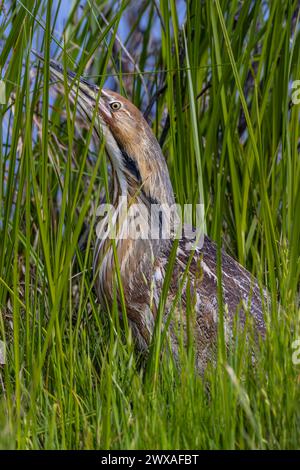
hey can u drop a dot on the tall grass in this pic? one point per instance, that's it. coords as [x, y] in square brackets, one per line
[72, 378]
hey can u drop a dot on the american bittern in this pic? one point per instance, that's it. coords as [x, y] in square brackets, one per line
[140, 173]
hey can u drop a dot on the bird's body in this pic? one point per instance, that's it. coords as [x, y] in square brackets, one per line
[140, 176]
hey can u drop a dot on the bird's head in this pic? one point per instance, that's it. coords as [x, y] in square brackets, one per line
[132, 148]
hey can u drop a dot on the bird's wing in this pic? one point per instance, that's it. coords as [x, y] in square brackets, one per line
[194, 281]
[241, 292]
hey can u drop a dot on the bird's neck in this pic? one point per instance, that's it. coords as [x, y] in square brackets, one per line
[140, 171]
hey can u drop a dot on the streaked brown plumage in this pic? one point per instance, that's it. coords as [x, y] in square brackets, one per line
[139, 171]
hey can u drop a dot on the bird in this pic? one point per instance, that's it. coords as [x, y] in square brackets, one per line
[139, 174]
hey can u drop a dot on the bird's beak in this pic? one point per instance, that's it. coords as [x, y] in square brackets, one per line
[87, 95]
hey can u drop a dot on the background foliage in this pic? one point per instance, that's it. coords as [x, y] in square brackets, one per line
[213, 79]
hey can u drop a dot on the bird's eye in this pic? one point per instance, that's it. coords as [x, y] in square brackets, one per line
[115, 105]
